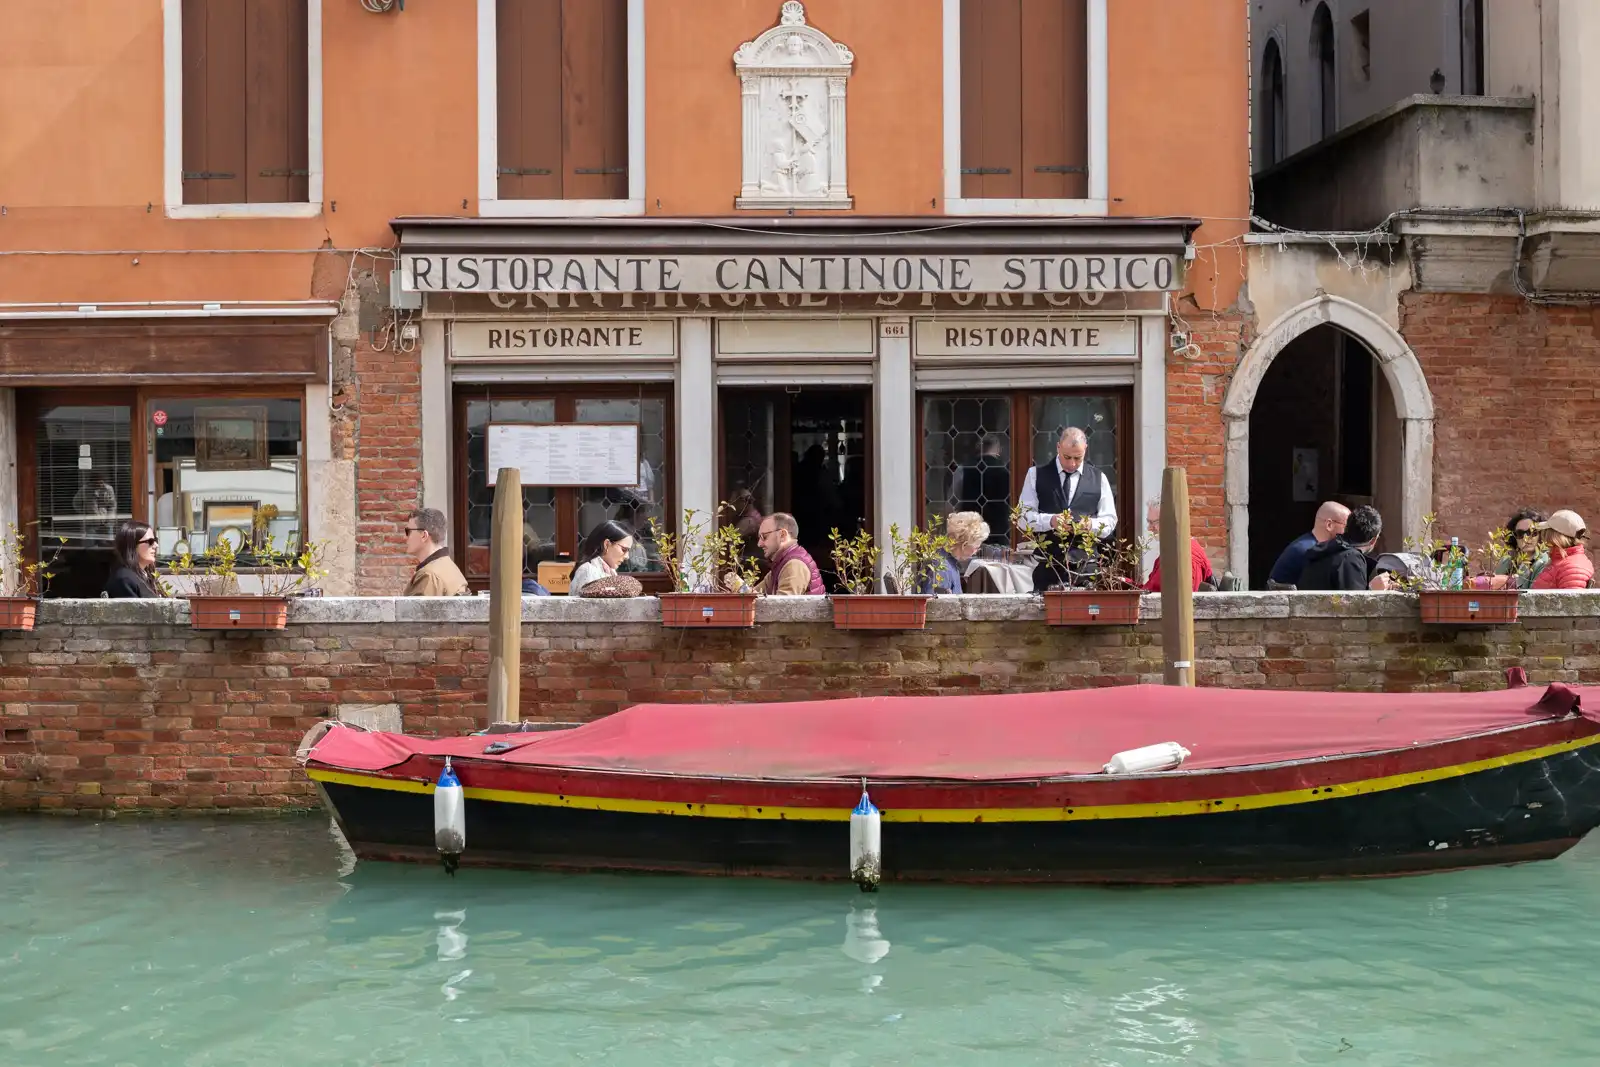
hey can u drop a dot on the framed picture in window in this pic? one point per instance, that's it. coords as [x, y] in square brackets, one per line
[220, 513]
[230, 438]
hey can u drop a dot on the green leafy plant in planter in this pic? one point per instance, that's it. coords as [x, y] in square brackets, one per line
[1446, 593]
[216, 600]
[1102, 586]
[855, 561]
[714, 583]
[917, 555]
[855, 564]
[22, 581]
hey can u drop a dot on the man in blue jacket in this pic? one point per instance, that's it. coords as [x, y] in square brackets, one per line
[1330, 523]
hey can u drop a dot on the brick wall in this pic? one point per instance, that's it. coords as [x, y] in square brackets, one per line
[1197, 379]
[1516, 393]
[388, 464]
[118, 704]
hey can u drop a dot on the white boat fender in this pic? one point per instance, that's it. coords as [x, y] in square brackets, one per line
[1169, 755]
[449, 818]
[866, 848]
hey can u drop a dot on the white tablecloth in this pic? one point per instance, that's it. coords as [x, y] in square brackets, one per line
[1006, 577]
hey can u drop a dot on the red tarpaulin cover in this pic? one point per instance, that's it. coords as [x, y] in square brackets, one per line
[982, 736]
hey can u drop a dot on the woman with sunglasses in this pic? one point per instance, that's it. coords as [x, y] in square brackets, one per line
[133, 573]
[1527, 556]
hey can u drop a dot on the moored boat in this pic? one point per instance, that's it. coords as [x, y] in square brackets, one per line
[1000, 788]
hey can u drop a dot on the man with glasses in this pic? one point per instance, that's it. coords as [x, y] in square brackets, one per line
[436, 573]
[1330, 523]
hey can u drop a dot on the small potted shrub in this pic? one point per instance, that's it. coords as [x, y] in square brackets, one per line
[1447, 595]
[1102, 587]
[917, 558]
[216, 601]
[714, 584]
[22, 581]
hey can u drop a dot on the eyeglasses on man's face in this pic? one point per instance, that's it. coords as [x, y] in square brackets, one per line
[412, 529]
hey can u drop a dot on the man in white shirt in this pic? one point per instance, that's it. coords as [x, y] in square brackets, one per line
[1056, 493]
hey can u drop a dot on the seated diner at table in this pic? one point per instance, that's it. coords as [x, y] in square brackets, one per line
[967, 532]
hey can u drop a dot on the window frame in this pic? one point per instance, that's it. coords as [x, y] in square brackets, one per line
[145, 395]
[172, 122]
[489, 203]
[1098, 200]
[565, 396]
[1122, 489]
[34, 401]
[1274, 103]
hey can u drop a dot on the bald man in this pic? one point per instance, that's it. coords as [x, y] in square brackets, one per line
[1331, 519]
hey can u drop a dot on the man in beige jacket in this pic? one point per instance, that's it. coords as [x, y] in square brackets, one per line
[436, 573]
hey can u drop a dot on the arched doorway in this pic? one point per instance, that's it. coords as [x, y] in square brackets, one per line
[1329, 403]
[1323, 427]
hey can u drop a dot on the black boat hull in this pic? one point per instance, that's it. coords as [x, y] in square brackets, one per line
[1527, 810]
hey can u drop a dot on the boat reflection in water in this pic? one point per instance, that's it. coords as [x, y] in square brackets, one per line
[1036, 787]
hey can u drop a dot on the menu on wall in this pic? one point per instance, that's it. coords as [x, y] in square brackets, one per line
[569, 454]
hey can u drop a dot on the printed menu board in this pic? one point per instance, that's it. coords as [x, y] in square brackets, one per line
[571, 454]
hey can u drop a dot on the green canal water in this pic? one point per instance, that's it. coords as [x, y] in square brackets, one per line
[194, 944]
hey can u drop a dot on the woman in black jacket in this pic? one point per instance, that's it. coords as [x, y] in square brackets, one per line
[133, 573]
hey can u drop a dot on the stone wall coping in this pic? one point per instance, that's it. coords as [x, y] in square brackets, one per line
[322, 611]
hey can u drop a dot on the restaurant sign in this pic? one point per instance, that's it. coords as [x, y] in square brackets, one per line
[1089, 338]
[546, 340]
[456, 273]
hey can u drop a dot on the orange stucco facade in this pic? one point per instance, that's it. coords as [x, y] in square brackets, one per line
[84, 220]
[81, 150]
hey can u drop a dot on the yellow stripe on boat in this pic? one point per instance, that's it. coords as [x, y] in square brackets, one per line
[953, 815]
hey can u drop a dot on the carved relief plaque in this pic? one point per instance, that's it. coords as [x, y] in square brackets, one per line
[792, 83]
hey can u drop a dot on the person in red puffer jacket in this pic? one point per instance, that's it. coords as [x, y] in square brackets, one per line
[1570, 566]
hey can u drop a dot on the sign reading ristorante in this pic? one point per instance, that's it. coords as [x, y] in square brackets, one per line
[457, 273]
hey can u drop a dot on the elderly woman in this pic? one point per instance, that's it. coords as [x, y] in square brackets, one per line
[967, 532]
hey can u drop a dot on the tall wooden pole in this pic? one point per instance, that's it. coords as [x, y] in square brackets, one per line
[1177, 580]
[505, 598]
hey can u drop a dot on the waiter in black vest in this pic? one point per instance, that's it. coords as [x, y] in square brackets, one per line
[1055, 493]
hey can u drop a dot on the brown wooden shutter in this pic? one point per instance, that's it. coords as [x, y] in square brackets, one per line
[245, 91]
[991, 98]
[214, 102]
[528, 76]
[1055, 107]
[594, 135]
[1024, 98]
[276, 138]
[563, 99]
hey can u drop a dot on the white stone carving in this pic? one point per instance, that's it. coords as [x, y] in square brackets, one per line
[792, 83]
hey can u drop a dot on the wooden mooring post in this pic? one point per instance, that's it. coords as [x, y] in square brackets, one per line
[1177, 580]
[505, 599]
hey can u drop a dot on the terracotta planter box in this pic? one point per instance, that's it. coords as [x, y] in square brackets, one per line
[1078, 607]
[17, 612]
[880, 612]
[1469, 607]
[238, 612]
[693, 611]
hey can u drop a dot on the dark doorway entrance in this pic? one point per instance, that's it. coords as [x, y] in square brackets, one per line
[1324, 426]
[805, 450]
